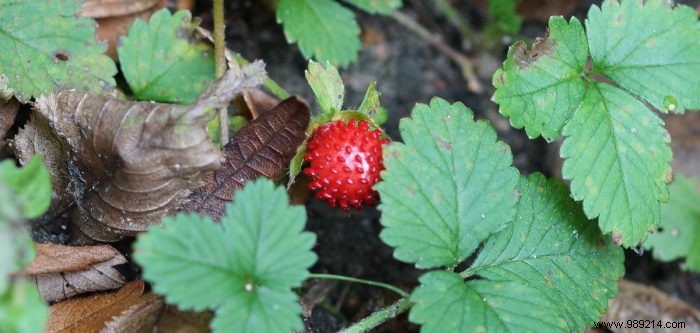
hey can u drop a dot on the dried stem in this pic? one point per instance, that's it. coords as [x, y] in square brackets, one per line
[436, 41]
[220, 59]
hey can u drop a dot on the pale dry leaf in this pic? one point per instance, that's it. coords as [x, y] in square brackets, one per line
[56, 258]
[139, 318]
[8, 113]
[174, 320]
[112, 8]
[639, 302]
[99, 277]
[131, 162]
[264, 147]
[254, 102]
[90, 313]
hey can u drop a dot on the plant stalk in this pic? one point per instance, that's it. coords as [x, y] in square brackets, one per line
[464, 63]
[451, 13]
[220, 61]
[379, 317]
[362, 281]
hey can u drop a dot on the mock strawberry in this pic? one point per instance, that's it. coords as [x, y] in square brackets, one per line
[345, 160]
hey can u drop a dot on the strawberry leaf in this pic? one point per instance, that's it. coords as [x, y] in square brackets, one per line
[679, 234]
[527, 273]
[649, 49]
[540, 88]
[324, 29]
[30, 185]
[243, 268]
[377, 6]
[447, 188]
[21, 308]
[45, 47]
[618, 159]
[162, 62]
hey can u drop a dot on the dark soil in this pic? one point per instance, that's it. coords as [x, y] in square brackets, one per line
[408, 71]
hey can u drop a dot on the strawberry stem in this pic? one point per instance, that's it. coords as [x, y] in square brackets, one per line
[362, 281]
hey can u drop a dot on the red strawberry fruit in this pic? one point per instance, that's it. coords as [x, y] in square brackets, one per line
[345, 161]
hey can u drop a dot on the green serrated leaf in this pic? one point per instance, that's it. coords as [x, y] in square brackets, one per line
[445, 303]
[22, 310]
[30, 185]
[377, 6]
[447, 188]
[617, 157]
[243, 268]
[324, 29]
[649, 49]
[550, 247]
[540, 88]
[163, 62]
[296, 163]
[372, 107]
[46, 47]
[530, 272]
[680, 224]
[327, 86]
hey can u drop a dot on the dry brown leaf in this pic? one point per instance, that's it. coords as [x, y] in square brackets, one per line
[639, 302]
[8, 113]
[111, 8]
[139, 318]
[55, 258]
[129, 163]
[174, 320]
[254, 102]
[264, 147]
[98, 277]
[90, 313]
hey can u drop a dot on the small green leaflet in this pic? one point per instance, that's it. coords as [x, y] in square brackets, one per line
[324, 29]
[540, 88]
[371, 106]
[45, 47]
[377, 6]
[243, 268]
[530, 272]
[680, 224]
[163, 62]
[650, 52]
[327, 86]
[30, 185]
[21, 308]
[447, 188]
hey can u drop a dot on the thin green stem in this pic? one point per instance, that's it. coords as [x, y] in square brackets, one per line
[356, 280]
[379, 317]
[268, 83]
[220, 60]
[456, 19]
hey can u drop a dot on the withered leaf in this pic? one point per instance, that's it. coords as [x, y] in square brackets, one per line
[91, 313]
[129, 163]
[264, 147]
[59, 285]
[111, 8]
[174, 320]
[8, 112]
[55, 258]
[138, 318]
[253, 102]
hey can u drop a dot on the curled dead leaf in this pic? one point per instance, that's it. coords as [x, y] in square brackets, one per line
[264, 147]
[8, 112]
[62, 272]
[129, 163]
[90, 313]
[254, 102]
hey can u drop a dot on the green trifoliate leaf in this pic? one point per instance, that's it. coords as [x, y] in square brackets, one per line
[243, 268]
[22, 310]
[649, 49]
[679, 233]
[540, 88]
[377, 6]
[617, 157]
[372, 107]
[30, 186]
[324, 29]
[447, 188]
[327, 85]
[530, 272]
[45, 47]
[163, 62]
